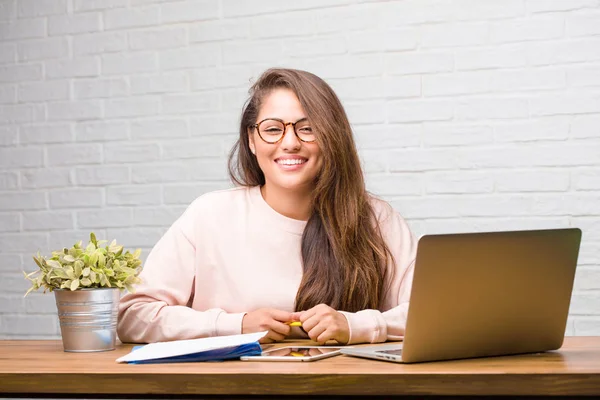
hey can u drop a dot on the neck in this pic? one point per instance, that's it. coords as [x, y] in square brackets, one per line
[292, 204]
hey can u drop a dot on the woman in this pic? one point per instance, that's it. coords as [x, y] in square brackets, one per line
[299, 239]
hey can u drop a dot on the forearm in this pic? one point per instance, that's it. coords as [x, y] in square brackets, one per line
[147, 321]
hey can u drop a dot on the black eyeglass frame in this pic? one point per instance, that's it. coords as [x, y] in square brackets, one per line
[285, 125]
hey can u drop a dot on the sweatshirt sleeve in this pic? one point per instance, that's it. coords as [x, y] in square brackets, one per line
[159, 309]
[375, 326]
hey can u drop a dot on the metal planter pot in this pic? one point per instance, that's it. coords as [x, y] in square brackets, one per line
[88, 318]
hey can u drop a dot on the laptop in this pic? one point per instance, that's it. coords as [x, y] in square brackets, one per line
[486, 294]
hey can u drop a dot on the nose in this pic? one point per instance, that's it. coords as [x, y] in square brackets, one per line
[290, 141]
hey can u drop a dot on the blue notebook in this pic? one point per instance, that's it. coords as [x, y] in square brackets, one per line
[249, 349]
[218, 348]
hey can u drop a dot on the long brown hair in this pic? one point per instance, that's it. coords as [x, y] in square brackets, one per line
[343, 252]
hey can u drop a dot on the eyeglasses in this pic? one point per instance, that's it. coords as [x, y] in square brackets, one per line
[272, 130]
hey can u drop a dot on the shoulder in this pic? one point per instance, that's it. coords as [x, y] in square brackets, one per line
[219, 198]
[216, 205]
[390, 221]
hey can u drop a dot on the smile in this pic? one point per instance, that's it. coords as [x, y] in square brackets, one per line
[294, 161]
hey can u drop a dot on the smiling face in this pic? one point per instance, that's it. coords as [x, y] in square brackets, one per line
[289, 164]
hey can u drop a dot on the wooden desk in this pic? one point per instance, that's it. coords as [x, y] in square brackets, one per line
[41, 368]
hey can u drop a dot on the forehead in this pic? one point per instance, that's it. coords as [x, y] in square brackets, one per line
[281, 103]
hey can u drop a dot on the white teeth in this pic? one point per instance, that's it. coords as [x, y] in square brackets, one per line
[291, 162]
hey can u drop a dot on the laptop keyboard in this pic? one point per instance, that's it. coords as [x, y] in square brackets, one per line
[396, 352]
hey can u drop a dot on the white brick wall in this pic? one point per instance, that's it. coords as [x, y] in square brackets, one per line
[470, 115]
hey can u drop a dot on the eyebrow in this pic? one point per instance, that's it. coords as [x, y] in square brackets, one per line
[279, 119]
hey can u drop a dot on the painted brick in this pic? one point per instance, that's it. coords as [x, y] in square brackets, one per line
[558, 5]
[546, 128]
[102, 176]
[96, 43]
[39, 8]
[128, 63]
[190, 103]
[170, 82]
[419, 110]
[77, 197]
[105, 218]
[136, 237]
[43, 49]
[156, 216]
[22, 113]
[157, 39]
[87, 5]
[23, 29]
[75, 110]
[102, 131]
[532, 181]
[74, 154]
[454, 34]
[120, 18]
[198, 56]
[10, 222]
[419, 63]
[131, 153]
[157, 173]
[536, 28]
[80, 67]
[8, 53]
[47, 220]
[100, 88]
[73, 24]
[9, 180]
[159, 128]
[492, 108]
[44, 91]
[452, 134]
[218, 30]
[586, 179]
[132, 107]
[21, 157]
[46, 133]
[23, 242]
[19, 73]
[138, 195]
[585, 126]
[184, 194]
[8, 94]
[46, 178]
[9, 135]
[189, 11]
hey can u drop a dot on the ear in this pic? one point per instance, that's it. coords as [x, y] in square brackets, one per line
[251, 142]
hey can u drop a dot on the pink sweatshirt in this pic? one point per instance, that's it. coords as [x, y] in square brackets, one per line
[231, 253]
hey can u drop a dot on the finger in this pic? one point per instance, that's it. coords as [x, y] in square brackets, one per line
[316, 331]
[275, 336]
[265, 339]
[296, 315]
[310, 323]
[307, 315]
[326, 335]
[280, 327]
[280, 315]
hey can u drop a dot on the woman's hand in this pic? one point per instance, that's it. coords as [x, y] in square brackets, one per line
[323, 323]
[267, 319]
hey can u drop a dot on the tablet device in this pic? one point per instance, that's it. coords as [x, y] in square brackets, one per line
[295, 353]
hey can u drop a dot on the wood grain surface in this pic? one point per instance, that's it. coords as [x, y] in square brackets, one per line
[38, 368]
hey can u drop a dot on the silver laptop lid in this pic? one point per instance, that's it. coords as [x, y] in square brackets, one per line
[493, 293]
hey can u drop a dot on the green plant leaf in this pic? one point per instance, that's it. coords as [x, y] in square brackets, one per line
[98, 265]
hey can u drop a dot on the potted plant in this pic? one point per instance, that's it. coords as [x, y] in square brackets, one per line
[87, 284]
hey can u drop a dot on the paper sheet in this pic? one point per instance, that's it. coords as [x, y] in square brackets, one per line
[180, 347]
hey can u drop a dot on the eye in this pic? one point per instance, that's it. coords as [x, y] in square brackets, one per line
[273, 130]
